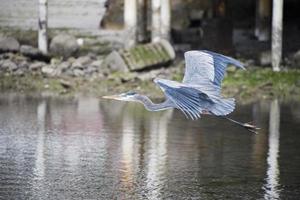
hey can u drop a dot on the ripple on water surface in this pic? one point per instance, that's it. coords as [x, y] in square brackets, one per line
[85, 148]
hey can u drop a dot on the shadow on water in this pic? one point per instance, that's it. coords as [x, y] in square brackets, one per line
[88, 148]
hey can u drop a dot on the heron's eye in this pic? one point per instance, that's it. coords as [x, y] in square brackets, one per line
[130, 93]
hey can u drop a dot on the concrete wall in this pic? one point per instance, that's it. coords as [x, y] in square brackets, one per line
[23, 14]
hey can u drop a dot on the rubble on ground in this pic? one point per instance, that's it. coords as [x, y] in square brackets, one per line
[141, 57]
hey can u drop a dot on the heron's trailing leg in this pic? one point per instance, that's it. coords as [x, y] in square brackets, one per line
[247, 126]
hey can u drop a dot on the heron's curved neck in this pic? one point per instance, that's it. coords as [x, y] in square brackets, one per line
[149, 105]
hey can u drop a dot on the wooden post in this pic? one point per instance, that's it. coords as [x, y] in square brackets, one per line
[42, 35]
[277, 34]
[142, 31]
[220, 7]
[262, 20]
[130, 21]
[165, 14]
[155, 24]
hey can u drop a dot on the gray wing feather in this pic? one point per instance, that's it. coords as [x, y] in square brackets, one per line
[220, 64]
[189, 100]
[198, 65]
[206, 65]
[192, 101]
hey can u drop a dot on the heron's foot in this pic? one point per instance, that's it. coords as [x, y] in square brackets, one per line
[251, 127]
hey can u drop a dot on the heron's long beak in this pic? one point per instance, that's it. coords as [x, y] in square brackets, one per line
[115, 97]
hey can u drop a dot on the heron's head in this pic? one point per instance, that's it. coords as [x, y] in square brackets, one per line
[127, 96]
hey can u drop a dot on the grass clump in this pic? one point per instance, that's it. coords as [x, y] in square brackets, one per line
[263, 83]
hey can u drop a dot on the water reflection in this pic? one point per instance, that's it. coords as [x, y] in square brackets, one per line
[127, 152]
[261, 115]
[39, 169]
[143, 149]
[272, 181]
[157, 156]
[89, 149]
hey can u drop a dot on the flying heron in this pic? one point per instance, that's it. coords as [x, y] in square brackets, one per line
[200, 90]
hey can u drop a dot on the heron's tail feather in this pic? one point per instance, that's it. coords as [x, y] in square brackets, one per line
[223, 107]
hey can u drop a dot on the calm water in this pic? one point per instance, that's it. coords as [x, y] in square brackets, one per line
[85, 148]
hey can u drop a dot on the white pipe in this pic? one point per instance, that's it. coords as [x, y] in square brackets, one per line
[277, 34]
[155, 27]
[165, 14]
[42, 27]
[130, 21]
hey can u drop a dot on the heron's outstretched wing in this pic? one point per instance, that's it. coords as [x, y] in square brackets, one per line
[208, 65]
[192, 101]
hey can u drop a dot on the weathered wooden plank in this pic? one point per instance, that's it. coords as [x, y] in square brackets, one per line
[141, 57]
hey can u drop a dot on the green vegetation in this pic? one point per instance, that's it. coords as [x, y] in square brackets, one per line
[263, 83]
[30, 83]
[246, 85]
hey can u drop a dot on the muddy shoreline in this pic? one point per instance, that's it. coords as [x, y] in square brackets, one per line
[246, 86]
